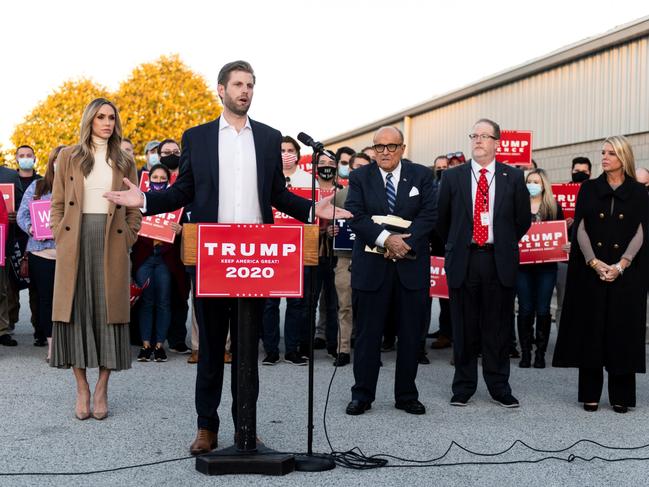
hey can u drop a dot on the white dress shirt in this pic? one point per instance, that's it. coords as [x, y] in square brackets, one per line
[238, 193]
[396, 176]
[491, 181]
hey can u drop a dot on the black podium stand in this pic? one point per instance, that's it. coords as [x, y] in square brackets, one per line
[247, 456]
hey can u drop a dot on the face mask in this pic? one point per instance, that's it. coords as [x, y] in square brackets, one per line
[26, 163]
[579, 177]
[343, 171]
[171, 161]
[326, 172]
[438, 173]
[288, 160]
[534, 189]
[153, 159]
[158, 186]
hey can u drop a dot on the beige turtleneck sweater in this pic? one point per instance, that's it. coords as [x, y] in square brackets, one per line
[98, 181]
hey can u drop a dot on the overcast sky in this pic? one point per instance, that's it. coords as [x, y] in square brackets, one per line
[323, 67]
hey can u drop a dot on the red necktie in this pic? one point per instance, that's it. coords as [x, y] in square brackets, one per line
[480, 231]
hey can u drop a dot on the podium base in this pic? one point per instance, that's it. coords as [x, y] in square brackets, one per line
[316, 462]
[263, 461]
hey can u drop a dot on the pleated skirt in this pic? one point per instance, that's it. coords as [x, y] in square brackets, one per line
[88, 341]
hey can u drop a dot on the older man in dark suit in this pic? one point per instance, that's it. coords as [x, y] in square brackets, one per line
[484, 210]
[397, 280]
[231, 170]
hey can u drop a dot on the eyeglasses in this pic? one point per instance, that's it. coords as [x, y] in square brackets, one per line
[452, 155]
[481, 137]
[169, 152]
[380, 148]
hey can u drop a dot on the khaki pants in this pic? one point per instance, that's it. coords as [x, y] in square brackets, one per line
[9, 300]
[344, 291]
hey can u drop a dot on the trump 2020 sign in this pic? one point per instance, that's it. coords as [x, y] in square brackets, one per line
[247, 260]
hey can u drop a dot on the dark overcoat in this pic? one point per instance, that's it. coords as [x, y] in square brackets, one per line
[603, 323]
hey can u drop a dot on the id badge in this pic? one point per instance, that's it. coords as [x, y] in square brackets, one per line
[484, 218]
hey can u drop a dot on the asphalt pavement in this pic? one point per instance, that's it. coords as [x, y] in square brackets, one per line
[152, 419]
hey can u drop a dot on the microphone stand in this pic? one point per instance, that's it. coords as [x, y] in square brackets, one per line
[312, 462]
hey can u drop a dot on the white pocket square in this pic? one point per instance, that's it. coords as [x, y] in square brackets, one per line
[413, 192]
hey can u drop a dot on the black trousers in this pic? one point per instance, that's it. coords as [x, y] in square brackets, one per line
[373, 310]
[215, 316]
[621, 387]
[41, 275]
[481, 311]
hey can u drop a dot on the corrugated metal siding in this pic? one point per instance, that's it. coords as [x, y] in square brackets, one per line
[583, 101]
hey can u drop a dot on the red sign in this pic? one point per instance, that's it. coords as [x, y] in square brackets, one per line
[247, 260]
[3, 237]
[144, 180]
[566, 196]
[515, 147]
[39, 212]
[159, 227]
[8, 192]
[283, 218]
[543, 242]
[438, 285]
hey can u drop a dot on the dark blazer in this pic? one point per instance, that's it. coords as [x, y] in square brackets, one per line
[455, 220]
[198, 181]
[366, 197]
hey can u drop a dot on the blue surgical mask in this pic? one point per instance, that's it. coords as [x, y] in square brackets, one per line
[153, 159]
[534, 189]
[343, 171]
[26, 163]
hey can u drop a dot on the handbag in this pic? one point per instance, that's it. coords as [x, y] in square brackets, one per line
[17, 259]
[24, 267]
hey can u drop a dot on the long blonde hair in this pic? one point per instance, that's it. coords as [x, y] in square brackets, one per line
[114, 152]
[548, 208]
[623, 152]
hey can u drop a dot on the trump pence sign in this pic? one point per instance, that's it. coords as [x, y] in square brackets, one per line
[248, 260]
[515, 147]
[438, 284]
[542, 243]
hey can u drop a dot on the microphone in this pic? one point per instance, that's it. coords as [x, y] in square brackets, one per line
[308, 140]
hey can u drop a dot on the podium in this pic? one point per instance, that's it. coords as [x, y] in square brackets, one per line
[247, 455]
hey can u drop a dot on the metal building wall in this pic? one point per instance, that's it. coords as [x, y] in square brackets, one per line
[570, 109]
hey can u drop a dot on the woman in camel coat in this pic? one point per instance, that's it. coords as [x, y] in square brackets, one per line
[91, 285]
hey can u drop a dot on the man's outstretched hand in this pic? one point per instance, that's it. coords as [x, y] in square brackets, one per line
[325, 209]
[131, 197]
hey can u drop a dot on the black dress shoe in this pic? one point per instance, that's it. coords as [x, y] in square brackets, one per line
[591, 408]
[40, 342]
[7, 341]
[342, 359]
[332, 351]
[459, 400]
[621, 409]
[354, 408]
[507, 401]
[387, 346]
[422, 358]
[319, 344]
[412, 406]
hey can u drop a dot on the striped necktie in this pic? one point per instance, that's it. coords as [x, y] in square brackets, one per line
[390, 192]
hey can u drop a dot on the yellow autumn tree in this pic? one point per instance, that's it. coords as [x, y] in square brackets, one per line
[56, 119]
[162, 99]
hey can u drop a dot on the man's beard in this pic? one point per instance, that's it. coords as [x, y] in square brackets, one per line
[232, 106]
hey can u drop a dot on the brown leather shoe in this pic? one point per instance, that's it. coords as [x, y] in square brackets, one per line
[205, 442]
[441, 342]
[227, 358]
[193, 358]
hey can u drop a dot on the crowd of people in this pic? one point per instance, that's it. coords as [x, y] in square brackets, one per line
[472, 211]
